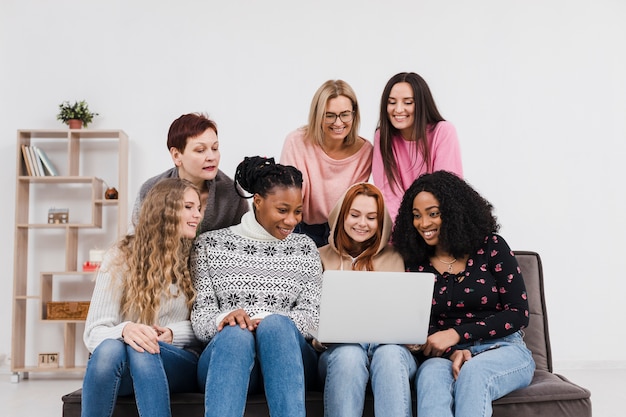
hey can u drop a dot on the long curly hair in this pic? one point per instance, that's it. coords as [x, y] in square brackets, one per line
[344, 243]
[156, 255]
[466, 218]
[425, 118]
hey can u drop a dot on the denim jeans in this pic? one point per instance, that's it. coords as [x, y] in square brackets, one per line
[275, 357]
[117, 369]
[347, 368]
[484, 378]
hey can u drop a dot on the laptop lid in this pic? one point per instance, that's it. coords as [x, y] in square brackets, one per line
[375, 307]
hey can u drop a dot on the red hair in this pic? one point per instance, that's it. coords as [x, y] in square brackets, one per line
[344, 243]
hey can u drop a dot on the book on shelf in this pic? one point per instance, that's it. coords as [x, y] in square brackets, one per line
[38, 161]
[33, 161]
[47, 164]
[26, 156]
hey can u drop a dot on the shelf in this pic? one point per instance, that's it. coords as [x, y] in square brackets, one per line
[65, 133]
[63, 320]
[87, 160]
[57, 226]
[57, 179]
[44, 369]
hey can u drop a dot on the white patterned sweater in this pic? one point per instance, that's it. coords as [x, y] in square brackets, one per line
[243, 266]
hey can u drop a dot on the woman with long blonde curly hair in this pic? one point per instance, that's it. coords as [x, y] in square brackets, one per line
[138, 329]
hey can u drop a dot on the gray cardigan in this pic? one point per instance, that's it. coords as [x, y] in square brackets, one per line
[223, 208]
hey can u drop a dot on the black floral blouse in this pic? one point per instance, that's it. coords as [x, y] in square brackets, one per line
[487, 300]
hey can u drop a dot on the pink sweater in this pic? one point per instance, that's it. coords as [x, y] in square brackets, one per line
[445, 155]
[325, 179]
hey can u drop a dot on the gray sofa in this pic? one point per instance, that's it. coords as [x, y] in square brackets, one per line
[549, 394]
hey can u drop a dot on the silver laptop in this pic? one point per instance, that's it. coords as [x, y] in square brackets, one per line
[375, 307]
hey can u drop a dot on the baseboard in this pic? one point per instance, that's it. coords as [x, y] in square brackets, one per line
[592, 364]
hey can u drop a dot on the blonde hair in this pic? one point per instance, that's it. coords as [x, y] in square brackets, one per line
[329, 90]
[156, 255]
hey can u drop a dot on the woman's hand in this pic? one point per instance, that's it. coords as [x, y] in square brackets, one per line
[241, 318]
[438, 343]
[414, 348]
[165, 334]
[458, 358]
[141, 337]
[318, 346]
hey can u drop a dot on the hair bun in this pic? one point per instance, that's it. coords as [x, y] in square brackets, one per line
[257, 174]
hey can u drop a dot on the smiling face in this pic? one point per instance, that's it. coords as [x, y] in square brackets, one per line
[190, 214]
[401, 109]
[361, 221]
[280, 211]
[427, 217]
[200, 160]
[337, 130]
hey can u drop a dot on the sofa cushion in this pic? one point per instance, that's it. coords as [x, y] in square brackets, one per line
[550, 394]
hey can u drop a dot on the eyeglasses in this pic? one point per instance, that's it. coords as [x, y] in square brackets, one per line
[345, 117]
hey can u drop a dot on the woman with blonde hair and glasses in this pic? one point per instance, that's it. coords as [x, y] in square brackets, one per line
[330, 154]
[138, 329]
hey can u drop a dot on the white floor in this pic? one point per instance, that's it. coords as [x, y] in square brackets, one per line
[41, 394]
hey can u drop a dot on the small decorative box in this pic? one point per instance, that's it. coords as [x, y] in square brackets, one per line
[58, 216]
[48, 360]
[67, 310]
[90, 266]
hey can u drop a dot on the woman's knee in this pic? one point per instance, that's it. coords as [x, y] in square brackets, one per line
[395, 359]
[277, 328]
[231, 341]
[347, 356]
[433, 369]
[108, 358]
[276, 322]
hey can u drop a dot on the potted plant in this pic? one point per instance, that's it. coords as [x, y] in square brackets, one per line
[75, 115]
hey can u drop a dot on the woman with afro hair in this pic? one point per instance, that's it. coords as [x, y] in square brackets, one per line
[474, 353]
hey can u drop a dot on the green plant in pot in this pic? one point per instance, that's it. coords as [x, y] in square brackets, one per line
[75, 115]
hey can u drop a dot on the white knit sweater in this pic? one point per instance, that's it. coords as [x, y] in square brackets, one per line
[104, 320]
[243, 266]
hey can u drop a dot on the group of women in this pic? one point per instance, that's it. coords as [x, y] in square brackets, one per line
[205, 294]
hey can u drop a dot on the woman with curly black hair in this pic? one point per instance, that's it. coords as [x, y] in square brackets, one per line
[474, 353]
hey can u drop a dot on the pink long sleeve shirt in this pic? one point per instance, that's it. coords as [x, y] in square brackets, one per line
[324, 179]
[445, 155]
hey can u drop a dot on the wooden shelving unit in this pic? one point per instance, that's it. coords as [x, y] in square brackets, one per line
[78, 153]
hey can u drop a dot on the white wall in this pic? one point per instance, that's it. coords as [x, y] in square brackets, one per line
[535, 88]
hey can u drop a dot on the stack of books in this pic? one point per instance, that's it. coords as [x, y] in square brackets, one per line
[37, 162]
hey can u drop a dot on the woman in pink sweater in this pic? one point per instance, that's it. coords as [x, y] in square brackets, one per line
[330, 154]
[412, 138]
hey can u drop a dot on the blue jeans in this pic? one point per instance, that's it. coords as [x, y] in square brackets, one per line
[115, 369]
[484, 378]
[347, 368]
[237, 362]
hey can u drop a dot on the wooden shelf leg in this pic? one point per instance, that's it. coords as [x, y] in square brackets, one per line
[70, 345]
